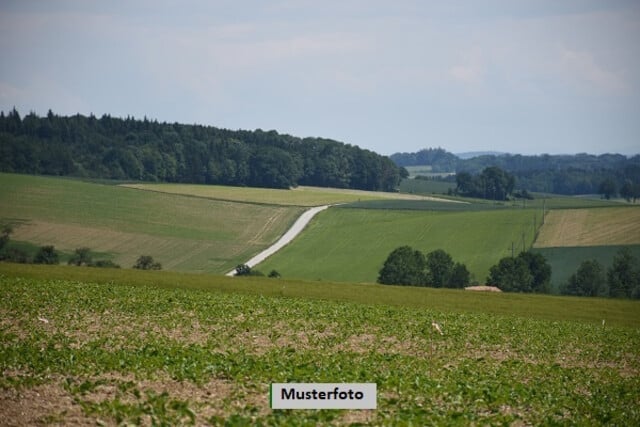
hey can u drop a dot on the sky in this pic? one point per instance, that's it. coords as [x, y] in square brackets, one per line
[519, 76]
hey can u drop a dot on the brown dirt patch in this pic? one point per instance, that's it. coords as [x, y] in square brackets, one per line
[55, 404]
[483, 288]
[41, 405]
[366, 343]
[279, 336]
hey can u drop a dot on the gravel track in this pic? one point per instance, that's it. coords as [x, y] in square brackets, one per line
[286, 238]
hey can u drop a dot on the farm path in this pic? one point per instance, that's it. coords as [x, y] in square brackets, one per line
[287, 237]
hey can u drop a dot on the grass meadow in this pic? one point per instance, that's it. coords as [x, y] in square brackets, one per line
[351, 245]
[162, 348]
[564, 261]
[571, 236]
[422, 186]
[183, 233]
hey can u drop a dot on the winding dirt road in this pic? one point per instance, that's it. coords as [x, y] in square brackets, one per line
[287, 237]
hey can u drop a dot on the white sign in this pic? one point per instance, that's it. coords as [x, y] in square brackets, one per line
[323, 396]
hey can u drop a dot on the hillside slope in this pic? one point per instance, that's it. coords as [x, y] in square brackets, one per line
[350, 245]
[114, 148]
[183, 233]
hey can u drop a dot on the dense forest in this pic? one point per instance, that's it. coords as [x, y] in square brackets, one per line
[130, 149]
[562, 174]
[439, 159]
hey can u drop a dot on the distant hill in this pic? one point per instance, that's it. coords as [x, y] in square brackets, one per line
[439, 159]
[472, 154]
[130, 149]
[562, 174]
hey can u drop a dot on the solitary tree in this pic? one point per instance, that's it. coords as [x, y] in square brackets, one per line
[81, 256]
[146, 262]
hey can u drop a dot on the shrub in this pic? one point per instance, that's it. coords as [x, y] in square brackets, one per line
[105, 263]
[46, 255]
[81, 256]
[16, 255]
[146, 262]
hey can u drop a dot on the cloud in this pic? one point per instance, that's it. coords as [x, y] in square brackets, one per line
[582, 67]
[470, 73]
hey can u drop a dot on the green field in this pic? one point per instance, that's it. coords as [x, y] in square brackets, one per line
[351, 245]
[557, 201]
[565, 261]
[421, 186]
[424, 205]
[183, 233]
[162, 355]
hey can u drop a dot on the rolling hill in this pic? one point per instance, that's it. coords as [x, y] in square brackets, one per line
[183, 233]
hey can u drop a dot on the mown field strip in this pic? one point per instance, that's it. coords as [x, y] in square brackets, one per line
[299, 196]
[183, 233]
[111, 353]
[351, 245]
[590, 227]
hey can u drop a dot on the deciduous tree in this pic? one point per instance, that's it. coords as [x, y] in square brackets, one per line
[622, 276]
[46, 255]
[81, 256]
[404, 266]
[587, 281]
[146, 262]
[440, 266]
[540, 271]
[511, 275]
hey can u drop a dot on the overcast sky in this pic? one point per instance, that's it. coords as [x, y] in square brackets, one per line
[539, 76]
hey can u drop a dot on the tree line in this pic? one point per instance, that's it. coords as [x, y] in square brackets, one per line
[409, 267]
[561, 174]
[493, 184]
[528, 272]
[620, 280]
[131, 149]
